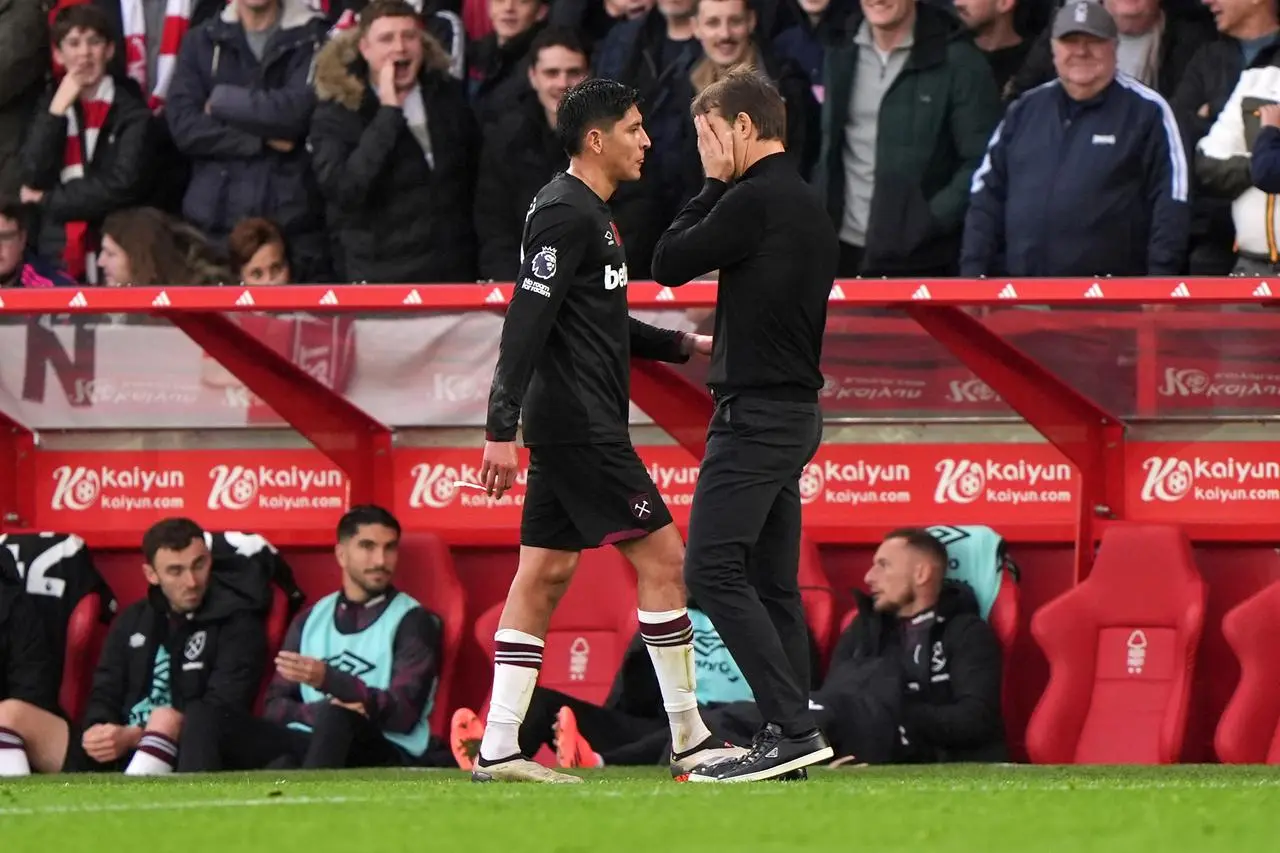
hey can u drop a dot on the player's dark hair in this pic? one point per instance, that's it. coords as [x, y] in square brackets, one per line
[745, 90]
[359, 516]
[170, 534]
[558, 36]
[595, 104]
[922, 540]
[11, 208]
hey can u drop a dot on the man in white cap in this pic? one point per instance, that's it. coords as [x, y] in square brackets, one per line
[1086, 175]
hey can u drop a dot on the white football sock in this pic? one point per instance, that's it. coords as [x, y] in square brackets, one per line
[668, 635]
[156, 755]
[13, 754]
[517, 660]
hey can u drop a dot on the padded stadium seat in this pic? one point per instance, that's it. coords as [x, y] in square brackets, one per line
[85, 635]
[427, 573]
[590, 631]
[1249, 730]
[1121, 648]
[819, 600]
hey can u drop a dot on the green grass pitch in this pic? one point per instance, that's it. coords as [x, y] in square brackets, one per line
[952, 808]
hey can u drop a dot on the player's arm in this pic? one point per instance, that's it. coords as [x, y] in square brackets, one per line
[414, 673]
[656, 344]
[557, 241]
[717, 228]
[106, 697]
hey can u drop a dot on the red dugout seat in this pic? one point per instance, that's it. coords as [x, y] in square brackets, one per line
[590, 631]
[1121, 648]
[85, 635]
[819, 600]
[427, 573]
[1249, 730]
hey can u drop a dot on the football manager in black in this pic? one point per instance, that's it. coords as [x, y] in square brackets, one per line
[766, 232]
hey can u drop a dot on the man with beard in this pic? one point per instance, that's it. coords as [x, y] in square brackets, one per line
[522, 152]
[354, 678]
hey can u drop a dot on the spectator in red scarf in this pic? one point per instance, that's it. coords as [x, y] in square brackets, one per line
[88, 147]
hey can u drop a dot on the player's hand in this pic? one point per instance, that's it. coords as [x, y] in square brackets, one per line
[715, 149]
[355, 707]
[300, 669]
[67, 92]
[1270, 115]
[284, 146]
[702, 344]
[106, 741]
[498, 467]
[26, 195]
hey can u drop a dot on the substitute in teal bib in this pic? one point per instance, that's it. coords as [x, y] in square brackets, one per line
[374, 650]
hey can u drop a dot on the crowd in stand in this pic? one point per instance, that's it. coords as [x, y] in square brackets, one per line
[269, 141]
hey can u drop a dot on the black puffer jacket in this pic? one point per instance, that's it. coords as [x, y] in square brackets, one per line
[948, 708]
[26, 659]
[216, 654]
[397, 219]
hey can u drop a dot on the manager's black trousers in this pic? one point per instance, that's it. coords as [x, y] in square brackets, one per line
[742, 557]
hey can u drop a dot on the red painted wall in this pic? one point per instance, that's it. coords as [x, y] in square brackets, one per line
[1232, 572]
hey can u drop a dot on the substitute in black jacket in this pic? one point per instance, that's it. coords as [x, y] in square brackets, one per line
[239, 109]
[195, 636]
[1086, 175]
[89, 145]
[917, 676]
[393, 147]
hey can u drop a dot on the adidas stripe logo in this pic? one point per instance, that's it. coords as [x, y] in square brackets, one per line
[161, 301]
[329, 298]
[1094, 291]
[922, 292]
[414, 298]
[1007, 292]
[837, 292]
[246, 298]
[78, 301]
[495, 296]
[1181, 290]
[665, 295]
[1262, 290]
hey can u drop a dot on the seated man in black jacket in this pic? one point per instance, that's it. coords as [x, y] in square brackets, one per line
[189, 639]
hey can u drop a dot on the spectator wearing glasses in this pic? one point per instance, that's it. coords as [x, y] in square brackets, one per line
[19, 266]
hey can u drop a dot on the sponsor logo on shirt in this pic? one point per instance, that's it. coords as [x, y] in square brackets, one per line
[613, 279]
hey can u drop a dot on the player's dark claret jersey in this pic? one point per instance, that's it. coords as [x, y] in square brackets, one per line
[568, 339]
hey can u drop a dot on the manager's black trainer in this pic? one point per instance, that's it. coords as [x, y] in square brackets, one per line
[772, 755]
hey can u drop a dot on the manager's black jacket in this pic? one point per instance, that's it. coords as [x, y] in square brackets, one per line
[776, 251]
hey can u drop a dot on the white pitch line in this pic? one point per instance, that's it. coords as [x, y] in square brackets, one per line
[182, 805]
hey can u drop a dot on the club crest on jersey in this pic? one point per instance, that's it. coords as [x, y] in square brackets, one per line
[612, 237]
[544, 263]
[195, 645]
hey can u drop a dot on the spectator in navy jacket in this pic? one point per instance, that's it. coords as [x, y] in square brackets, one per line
[239, 108]
[1086, 175]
